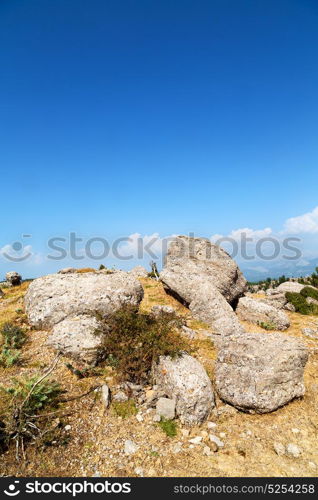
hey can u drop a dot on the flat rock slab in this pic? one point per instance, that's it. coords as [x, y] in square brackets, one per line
[259, 372]
[53, 298]
[257, 312]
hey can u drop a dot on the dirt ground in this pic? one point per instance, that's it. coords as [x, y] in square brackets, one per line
[94, 444]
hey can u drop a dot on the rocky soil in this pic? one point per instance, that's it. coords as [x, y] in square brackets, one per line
[98, 442]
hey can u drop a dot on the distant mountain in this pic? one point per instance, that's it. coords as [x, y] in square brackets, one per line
[262, 270]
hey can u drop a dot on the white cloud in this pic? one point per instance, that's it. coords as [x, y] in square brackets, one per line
[238, 234]
[306, 223]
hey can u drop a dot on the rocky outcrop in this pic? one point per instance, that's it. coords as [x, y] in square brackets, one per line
[191, 262]
[290, 286]
[184, 380]
[257, 312]
[139, 272]
[259, 372]
[77, 337]
[55, 297]
[67, 270]
[206, 279]
[13, 278]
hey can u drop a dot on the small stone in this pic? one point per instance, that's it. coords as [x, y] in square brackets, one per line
[216, 440]
[67, 428]
[214, 447]
[156, 418]
[139, 417]
[139, 471]
[279, 449]
[166, 408]
[222, 435]
[312, 465]
[196, 440]
[185, 432]
[105, 394]
[207, 451]
[212, 425]
[295, 431]
[293, 450]
[177, 448]
[120, 397]
[130, 447]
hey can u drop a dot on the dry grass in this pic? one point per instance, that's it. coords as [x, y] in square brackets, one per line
[97, 435]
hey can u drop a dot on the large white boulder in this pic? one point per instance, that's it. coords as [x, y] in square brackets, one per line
[191, 262]
[53, 298]
[259, 372]
[184, 380]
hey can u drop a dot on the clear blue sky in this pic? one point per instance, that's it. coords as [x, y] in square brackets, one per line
[171, 116]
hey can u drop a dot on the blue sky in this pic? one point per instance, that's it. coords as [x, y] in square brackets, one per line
[163, 117]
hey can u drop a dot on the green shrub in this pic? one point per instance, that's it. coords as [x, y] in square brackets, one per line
[309, 292]
[299, 302]
[131, 342]
[169, 427]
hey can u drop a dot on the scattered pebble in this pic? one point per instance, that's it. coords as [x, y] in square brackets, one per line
[207, 451]
[139, 471]
[279, 449]
[67, 428]
[211, 425]
[120, 397]
[130, 447]
[139, 417]
[295, 431]
[185, 432]
[216, 440]
[293, 450]
[196, 440]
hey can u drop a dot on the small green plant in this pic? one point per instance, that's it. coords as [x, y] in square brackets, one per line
[309, 292]
[132, 341]
[169, 427]
[101, 267]
[125, 409]
[267, 325]
[25, 399]
[13, 338]
[9, 357]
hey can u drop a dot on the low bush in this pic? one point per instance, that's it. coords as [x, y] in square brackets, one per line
[131, 342]
[299, 302]
[86, 270]
[309, 292]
